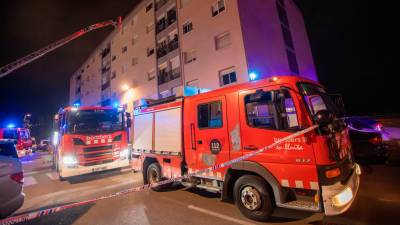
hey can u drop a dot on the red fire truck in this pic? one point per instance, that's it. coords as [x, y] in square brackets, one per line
[314, 171]
[90, 139]
[21, 136]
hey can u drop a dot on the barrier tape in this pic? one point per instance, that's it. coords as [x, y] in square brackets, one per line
[49, 211]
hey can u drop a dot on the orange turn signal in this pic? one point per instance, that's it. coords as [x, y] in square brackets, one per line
[332, 173]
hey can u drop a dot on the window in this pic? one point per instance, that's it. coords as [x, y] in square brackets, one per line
[293, 65]
[227, 76]
[218, 7]
[184, 3]
[271, 110]
[124, 49]
[10, 134]
[114, 58]
[222, 41]
[150, 51]
[190, 56]
[8, 150]
[209, 115]
[114, 75]
[149, 27]
[282, 14]
[187, 27]
[261, 111]
[135, 39]
[151, 75]
[135, 61]
[149, 7]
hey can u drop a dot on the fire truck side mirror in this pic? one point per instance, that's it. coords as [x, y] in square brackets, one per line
[323, 117]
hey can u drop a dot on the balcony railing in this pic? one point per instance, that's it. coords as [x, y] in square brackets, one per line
[164, 49]
[105, 85]
[162, 24]
[167, 76]
[160, 4]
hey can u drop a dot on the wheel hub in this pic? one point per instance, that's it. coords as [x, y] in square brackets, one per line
[250, 198]
[153, 177]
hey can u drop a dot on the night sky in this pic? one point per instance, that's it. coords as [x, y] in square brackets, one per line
[339, 34]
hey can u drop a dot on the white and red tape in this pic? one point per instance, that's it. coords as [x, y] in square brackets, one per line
[49, 211]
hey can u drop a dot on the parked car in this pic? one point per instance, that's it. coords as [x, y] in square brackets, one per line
[11, 179]
[44, 145]
[367, 139]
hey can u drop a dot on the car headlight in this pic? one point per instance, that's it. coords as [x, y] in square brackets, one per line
[70, 160]
[124, 153]
[343, 198]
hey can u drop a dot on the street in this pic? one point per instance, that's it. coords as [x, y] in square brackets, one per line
[377, 201]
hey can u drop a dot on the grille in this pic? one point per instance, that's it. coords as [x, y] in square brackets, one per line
[97, 162]
[99, 154]
[97, 148]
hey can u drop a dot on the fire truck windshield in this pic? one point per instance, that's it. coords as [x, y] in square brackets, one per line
[317, 99]
[95, 121]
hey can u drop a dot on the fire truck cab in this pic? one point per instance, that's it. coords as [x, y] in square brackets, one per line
[313, 172]
[90, 139]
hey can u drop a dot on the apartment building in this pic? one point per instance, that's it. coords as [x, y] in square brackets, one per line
[165, 45]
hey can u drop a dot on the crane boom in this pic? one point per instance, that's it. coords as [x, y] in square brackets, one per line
[9, 68]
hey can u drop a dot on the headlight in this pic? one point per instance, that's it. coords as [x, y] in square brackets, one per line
[70, 160]
[343, 197]
[124, 153]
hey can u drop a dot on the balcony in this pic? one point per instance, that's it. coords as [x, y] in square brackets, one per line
[105, 69]
[166, 76]
[105, 85]
[164, 49]
[163, 23]
[160, 4]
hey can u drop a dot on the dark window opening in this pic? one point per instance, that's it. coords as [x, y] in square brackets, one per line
[210, 115]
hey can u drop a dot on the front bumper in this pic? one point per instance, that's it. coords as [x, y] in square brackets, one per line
[347, 192]
[80, 170]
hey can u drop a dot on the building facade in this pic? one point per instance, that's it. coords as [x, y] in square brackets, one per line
[164, 45]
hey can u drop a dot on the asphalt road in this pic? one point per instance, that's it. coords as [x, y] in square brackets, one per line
[378, 200]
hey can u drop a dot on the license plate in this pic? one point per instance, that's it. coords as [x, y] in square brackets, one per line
[99, 169]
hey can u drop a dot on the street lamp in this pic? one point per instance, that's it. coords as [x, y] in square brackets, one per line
[125, 87]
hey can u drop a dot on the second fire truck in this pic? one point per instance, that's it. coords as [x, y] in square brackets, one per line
[90, 139]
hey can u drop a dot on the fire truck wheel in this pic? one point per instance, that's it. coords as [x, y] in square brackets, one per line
[154, 176]
[253, 198]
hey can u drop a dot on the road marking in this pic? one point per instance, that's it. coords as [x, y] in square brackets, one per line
[36, 172]
[221, 216]
[205, 211]
[29, 181]
[52, 175]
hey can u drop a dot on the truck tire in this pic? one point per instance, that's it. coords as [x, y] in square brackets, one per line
[253, 198]
[153, 175]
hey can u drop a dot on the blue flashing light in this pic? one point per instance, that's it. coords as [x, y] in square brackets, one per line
[11, 125]
[253, 76]
[116, 104]
[77, 104]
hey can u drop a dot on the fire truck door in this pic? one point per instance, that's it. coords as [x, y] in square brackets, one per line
[212, 140]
